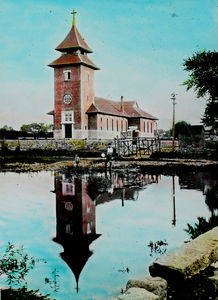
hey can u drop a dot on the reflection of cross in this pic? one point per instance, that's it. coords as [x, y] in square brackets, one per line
[74, 17]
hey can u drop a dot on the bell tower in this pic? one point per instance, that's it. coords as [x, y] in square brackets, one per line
[73, 86]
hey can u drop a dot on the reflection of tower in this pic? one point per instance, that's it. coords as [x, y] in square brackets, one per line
[174, 201]
[75, 231]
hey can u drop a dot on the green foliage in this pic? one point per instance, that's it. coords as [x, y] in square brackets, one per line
[201, 226]
[35, 127]
[203, 77]
[4, 146]
[211, 199]
[210, 117]
[212, 145]
[97, 185]
[203, 68]
[22, 294]
[6, 128]
[100, 145]
[53, 281]
[188, 153]
[167, 133]
[182, 128]
[15, 263]
[77, 144]
[158, 247]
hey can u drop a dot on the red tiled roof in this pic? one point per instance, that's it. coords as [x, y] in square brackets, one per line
[73, 59]
[131, 109]
[73, 41]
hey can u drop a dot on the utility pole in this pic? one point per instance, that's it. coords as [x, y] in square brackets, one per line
[173, 97]
[174, 201]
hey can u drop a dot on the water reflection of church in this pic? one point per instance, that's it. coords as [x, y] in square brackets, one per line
[76, 212]
[75, 231]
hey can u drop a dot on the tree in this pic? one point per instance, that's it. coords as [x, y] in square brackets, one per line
[201, 226]
[35, 127]
[203, 77]
[211, 114]
[182, 128]
[6, 128]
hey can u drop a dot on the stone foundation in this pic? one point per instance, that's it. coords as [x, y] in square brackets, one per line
[54, 145]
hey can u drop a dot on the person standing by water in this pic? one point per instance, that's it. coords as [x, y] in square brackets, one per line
[109, 157]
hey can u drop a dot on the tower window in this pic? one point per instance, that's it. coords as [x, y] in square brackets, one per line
[117, 125]
[147, 127]
[87, 98]
[107, 124]
[67, 116]
[151, 127]
[67, 75]
[144, 126]
[112, 124]
[122, 125]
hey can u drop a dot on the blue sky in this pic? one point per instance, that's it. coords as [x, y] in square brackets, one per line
[139, 45]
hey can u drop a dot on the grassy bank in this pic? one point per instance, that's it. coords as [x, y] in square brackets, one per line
[44, 156]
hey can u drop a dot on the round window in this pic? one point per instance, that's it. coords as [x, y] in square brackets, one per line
[67, 99]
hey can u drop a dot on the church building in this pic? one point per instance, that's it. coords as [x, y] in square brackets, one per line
[77, 113]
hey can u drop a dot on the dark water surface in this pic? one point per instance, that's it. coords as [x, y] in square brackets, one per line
[91, 234]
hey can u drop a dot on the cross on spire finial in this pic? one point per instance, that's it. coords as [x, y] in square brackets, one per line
[74, 17]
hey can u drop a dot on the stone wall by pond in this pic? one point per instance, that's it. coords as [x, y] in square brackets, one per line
[53, 145]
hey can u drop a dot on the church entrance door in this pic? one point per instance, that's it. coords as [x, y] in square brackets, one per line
[68, 131]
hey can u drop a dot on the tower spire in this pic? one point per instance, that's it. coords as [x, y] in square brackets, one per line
[74, 17]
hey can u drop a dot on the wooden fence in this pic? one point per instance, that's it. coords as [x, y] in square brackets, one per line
[136, 146]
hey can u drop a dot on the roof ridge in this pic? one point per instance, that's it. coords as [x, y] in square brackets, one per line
[116, 101]
[76, 35]
[112, 107]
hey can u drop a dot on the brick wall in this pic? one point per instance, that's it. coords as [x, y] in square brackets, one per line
[72, 87]
[111, 123]
[147, 128]
[87, 94]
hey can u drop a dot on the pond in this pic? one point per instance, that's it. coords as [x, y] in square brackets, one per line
[89, 234]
